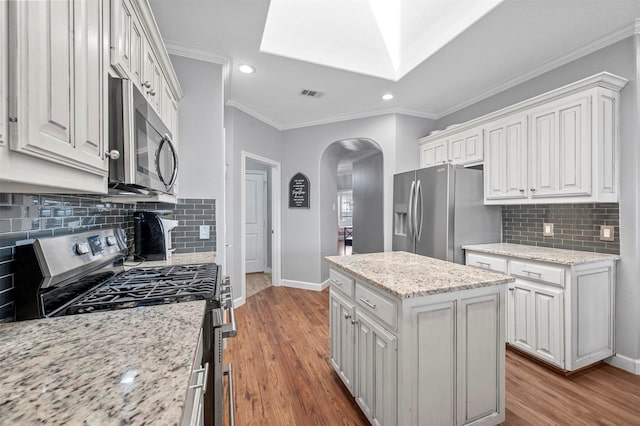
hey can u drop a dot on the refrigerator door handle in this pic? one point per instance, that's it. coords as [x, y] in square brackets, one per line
[410, 207]
[418, 197]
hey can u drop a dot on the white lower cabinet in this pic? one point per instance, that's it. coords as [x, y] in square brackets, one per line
[427, 360]
[535, 320]
[342, 341]
[561, 314]
[376, 366]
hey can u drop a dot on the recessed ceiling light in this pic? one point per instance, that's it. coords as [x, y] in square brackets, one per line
[387, 97]
[246, 69]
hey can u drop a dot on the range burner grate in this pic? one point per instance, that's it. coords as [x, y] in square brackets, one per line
[150, 286]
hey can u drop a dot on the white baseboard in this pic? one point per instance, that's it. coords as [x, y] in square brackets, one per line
[267, 270]
[629, 364]
[304, 285]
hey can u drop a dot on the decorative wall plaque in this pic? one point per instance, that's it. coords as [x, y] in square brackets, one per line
[299, 192]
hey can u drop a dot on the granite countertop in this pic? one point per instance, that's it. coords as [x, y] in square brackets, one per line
[130, 366]
[542, 254]
[410, 275]
[176, 259]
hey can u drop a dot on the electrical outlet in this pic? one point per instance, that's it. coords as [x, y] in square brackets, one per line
[547, 229]
[606, 233]
[204, 232]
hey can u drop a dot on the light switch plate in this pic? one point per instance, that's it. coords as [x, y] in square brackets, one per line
[204, 232]
[606, 233]
[547, 229]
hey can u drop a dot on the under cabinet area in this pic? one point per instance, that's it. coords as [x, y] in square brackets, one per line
[561, 306]
[428, 359]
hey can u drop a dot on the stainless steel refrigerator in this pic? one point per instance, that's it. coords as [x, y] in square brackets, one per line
[438, 209]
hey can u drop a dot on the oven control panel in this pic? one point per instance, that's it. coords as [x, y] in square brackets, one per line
[86, 249]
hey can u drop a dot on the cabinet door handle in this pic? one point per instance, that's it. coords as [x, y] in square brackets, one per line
[114, 154]
[347, 316]
[147, 84]
[522, 190]
[512, 289]
[366, 302]
[354, 322]
[532, 189]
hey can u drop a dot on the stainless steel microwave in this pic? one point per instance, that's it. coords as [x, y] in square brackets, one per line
[143, 158]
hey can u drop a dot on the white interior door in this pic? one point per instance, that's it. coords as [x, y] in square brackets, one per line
[255, 221]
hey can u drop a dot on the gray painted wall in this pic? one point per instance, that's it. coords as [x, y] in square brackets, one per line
[200, 136]
[301, 152]
[368, 205]
[344, 182]
[408, 131]
[328, 187]
[243, 133]
[619, 58]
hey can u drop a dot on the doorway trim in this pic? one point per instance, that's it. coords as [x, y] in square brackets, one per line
[276, 214]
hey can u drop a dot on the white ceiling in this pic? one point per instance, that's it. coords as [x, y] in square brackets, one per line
[514, 41]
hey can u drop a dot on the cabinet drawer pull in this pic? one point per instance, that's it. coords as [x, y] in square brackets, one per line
[522, 191]
[532, 273]
[347, 316]
[484, 264]
[335, 282]
[366, 302]
[354, 322]
[532, 189]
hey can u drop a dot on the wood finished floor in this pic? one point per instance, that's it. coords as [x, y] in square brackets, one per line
[282, 374]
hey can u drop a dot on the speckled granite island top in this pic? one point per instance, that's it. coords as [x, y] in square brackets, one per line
[410, 275]
[542, 254]
[130, 366]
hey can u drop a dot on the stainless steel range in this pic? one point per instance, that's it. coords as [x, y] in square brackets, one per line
[83, 273]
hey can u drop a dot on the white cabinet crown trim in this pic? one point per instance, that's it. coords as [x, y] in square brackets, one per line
[604, 79]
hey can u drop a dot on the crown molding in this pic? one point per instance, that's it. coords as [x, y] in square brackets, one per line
[193, 52]
[358, 115]
[609, 39]
[237, 105]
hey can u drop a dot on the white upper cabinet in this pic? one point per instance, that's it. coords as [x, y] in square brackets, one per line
[138, 53]
[560, 147]
[465, 147]
[4, 75]
[433, 153]
[58, 104]
[505, 167]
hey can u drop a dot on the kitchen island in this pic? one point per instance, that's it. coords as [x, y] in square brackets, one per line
[418, 341]
[130, 366]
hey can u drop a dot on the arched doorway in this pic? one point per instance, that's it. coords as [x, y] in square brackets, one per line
[351, 167]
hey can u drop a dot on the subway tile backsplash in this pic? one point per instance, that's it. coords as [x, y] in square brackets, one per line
[576, 226]
[35, 216]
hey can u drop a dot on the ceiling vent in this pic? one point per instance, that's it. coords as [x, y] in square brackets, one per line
[311, 93]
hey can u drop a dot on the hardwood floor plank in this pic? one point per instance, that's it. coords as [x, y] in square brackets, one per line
[282, 374]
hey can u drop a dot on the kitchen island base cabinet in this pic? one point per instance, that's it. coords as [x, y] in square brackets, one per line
[438, 360]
